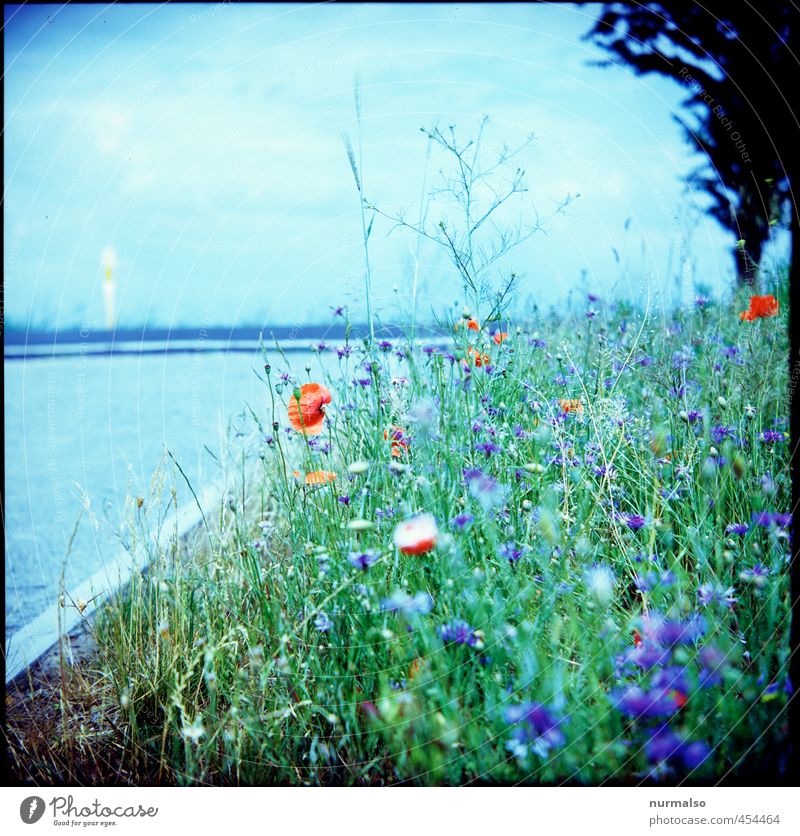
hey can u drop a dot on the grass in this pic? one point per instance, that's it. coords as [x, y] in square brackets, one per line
[258, 653]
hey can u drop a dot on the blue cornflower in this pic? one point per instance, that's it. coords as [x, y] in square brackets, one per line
[511, 552]
[635, 521]
[535, 726]
[633, 701]
[768, 519]
[771, 437]
[715, 593]
[459, 631]
[363, 560]
[488, 448]
[665, 746]
[323, 623]
[488, 491]
[720, 432]
[461, 521]
[739, 529]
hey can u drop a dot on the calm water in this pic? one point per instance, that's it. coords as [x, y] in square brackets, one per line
[103, 423]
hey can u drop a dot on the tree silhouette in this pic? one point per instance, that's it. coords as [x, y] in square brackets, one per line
[739, 70]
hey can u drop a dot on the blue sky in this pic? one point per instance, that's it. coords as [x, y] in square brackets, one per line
[205, 144]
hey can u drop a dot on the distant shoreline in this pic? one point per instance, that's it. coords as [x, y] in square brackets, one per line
[29, 345]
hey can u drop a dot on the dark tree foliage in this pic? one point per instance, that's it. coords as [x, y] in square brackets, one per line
[740, 69]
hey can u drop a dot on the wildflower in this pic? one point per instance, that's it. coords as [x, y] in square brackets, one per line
[536, 726]
[756, 576]
[570, 405]
[363, 560]
[665, 746]
[669, 633]
[323, 623]
[511, 552]
[633, 701]
[343, 500]
[459, 632]
[760, 308]
[402, 602]
[719, 433]
[339, 310]
[358, 468]
[635, 521]
[416, 535]
[461, 521]
[306, 411]
[316, 477]
[343, 351]
[484, 488]
[478, 359]
[714, 593]
[488, 448]
[499, 337]
[397, 436]
[771, 437]
[739, 529]
[472, 324]
[767, 519]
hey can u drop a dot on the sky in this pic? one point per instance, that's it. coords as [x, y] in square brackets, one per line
[204, 143]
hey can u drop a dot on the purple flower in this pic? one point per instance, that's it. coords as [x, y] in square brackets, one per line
[344, 351]
[715, 593]
[740, 529]
[402, 602]
[668, 633]
[363, 560]
[461, 521]
[632, 701]
[635, 521]
[385, 345]
[768, 519]
[488, 448]
[694, 415]
[592, 297]
[754, 575]
[511, 552]
[459, 632]
[771, 437]
[536, 726]
[484, 488]
[323, 623]
[665, 746]
[339, 310]
[719, 433]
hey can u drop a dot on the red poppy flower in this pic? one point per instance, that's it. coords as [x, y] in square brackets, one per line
[478, 359]
[316, 477]
[571, 405]
[306, 416]
[417, 535]
[760, 307]
[500, 336]
[472, 324]
[680, 698]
